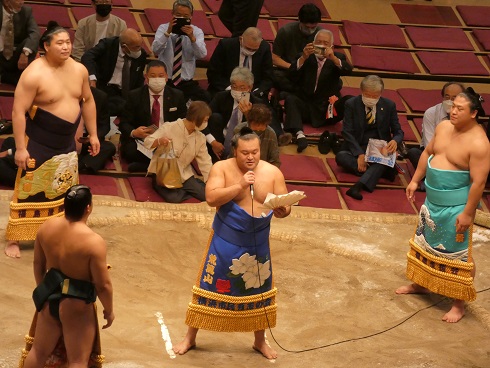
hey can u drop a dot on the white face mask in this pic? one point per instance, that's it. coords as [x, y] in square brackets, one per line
[133, 54]
[157, 84]
[447, 105]
[203, 126]
[238, 95]
[369, 102]
[306, 30]
[246, 52]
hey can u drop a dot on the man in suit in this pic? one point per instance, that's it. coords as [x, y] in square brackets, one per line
[88, 164]
[316, 75]
[148, 107]
[91, 29]
[238, 15]
[248, 50]
[19, 39]
[368, 116]
[116, 66]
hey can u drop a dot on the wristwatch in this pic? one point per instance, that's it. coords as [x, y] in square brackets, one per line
[26, 53]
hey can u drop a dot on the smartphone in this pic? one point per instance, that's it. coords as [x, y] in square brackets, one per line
[245, 97]
[179, 23]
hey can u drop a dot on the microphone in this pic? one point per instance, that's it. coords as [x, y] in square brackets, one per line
[251, 187]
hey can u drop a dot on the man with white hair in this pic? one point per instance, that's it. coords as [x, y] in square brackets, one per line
[316, 76]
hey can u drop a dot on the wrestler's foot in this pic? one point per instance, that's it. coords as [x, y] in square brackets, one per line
[265, 350]
[412, 289]
[12, 249]
[456, 312]
[184, 346]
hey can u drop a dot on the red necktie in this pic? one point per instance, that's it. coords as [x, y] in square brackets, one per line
[155, 111]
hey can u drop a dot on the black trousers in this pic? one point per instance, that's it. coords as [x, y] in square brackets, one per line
[131, 154]
[8, 168]
[238, 15]
[96, 163]
[9, 70]
[192, 187]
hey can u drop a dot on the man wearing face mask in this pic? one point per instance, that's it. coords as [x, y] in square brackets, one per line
[147, 108]
[19, 39]
[92, 29]
[116, 66]
[433, 116]
[290, 41]
[316, 75]
[368, 116]
[249, 51]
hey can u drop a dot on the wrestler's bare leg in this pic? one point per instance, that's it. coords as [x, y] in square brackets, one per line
[79, 328]
[456, 312]
[188, 343]
[48, 331]
[12, 249]
[412, 289]
[262, 346]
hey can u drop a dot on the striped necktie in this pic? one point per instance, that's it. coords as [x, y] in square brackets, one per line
[369, 116]
[8, 43]
[177, 67]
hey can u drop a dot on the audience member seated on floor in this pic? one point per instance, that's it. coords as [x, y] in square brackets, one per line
[186, 139]
[148, 107]
[8, 168]
[116, 65]
[249, 51]
[91, 29]
[179, 47]
[290, 42]
[316, 76]
[230, 108]
[368, 116]
[88, 164]
[433, 116]
[19, 39]
[258, 119]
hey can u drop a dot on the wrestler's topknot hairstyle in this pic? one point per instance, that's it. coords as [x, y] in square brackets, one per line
[52, 29]
[475, 101]
[77, 198]
[245, 134]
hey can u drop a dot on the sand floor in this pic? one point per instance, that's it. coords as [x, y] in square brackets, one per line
[336, 272]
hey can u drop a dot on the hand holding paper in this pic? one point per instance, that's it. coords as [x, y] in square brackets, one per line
[273, 201]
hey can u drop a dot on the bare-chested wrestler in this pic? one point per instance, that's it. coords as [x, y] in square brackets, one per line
[70, 251]
[456, 164]
[52, 94]
[235, 289]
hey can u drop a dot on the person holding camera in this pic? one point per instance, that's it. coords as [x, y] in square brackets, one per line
[179, 44]
[316, 75]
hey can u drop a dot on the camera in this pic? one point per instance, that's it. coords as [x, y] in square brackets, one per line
[319, 50]
[179, 23]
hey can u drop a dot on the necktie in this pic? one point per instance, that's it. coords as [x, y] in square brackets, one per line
[318, 72]
[245, 62]
[155, 111]
[369, 116]
[125, 77]
[8, 43]
[229, 131]
[177, 68]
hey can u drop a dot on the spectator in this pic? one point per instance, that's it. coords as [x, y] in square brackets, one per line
[116, 66]
[8, 168]
[432, 117]
[368, 116]
[88, 164]
[19, 39]
[316, 75]
[248, 50]
[258, 119]
[179, 51]
[144, 113]
[91, 29]
[189, 144]
[290, 42]
[238, 15]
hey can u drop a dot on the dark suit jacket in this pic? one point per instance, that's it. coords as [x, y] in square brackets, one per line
[355, 123]
[103, 118]
[329, 82]
[101, 60]
[25, 28]
[137, 109]
[226, 57]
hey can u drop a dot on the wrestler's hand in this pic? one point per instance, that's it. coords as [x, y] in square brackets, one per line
[21, 158]
[410, 191]
[94, 147]
[109, 317]
[392, 146]
[463, 222]
[281, 212]
[218, 148]
[361, 164]
[247, 179]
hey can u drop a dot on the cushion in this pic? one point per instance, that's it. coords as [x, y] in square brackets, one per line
[316, 196]
[409, 134]
[210, 47]
[101, 185]
[452, 63]
[266, 28]
[419, 100]
[381, 200]
[483, 37]
[478, 16]
[439, 38]
[114, 2]
[426, 14]
[388, 35]
[387, 60]
[219, 28]
[6, 105]
[343, 176]
[418, 124]
[278, 8]
[44, 13]
[302, 167]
